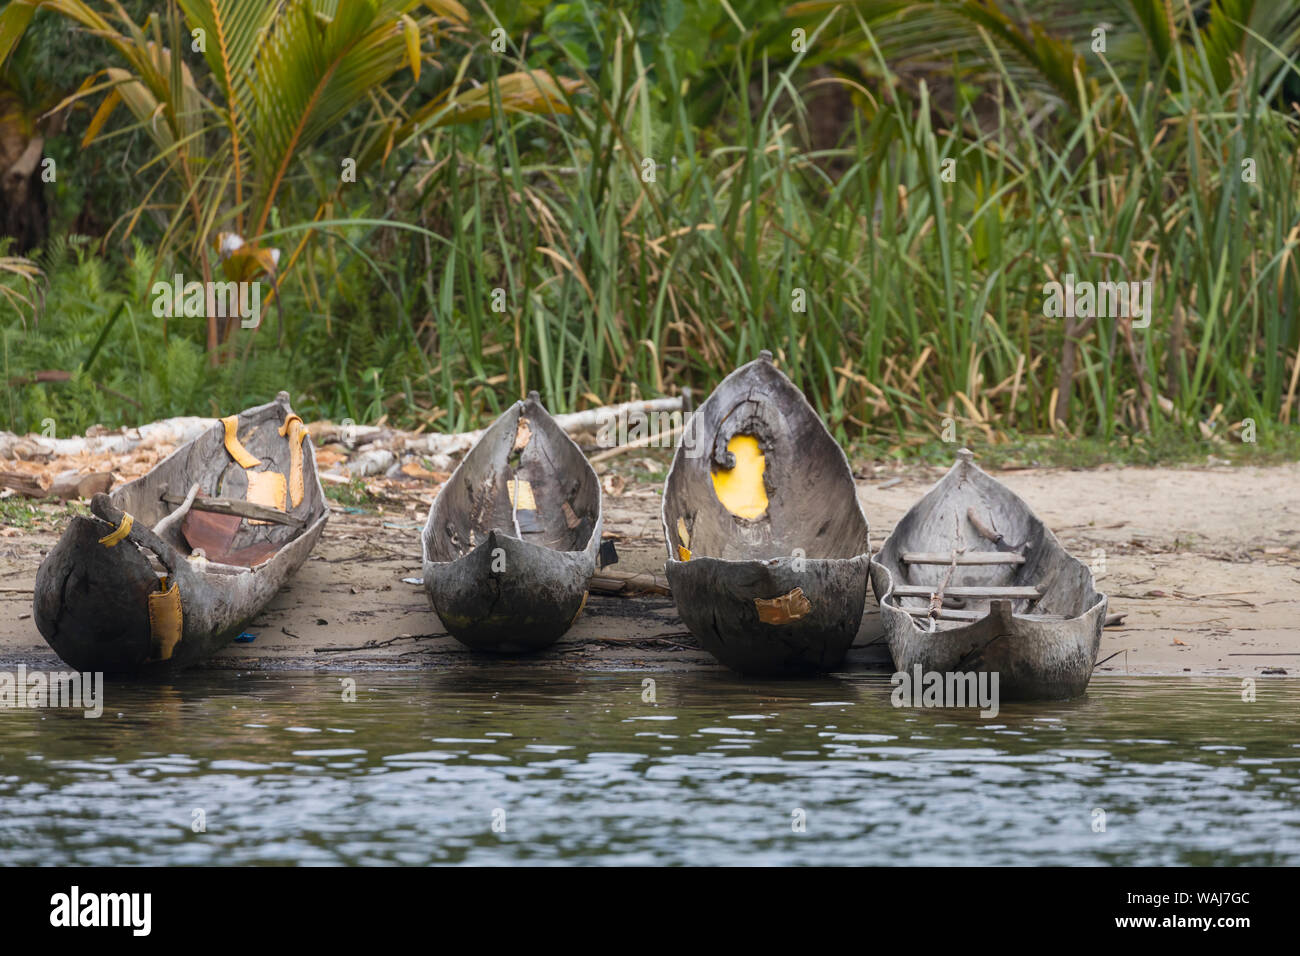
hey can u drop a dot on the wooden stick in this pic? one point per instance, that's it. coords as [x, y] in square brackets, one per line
[167, 521]
[1015, 593]
[642, 442]
[244, 509]
[936, 599]
[974, 557]
[607, 581]
[982, 528]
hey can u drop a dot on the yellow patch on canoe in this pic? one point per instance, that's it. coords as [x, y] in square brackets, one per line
[740, 489]
[266, 488]
[521, 494]
[165, 621]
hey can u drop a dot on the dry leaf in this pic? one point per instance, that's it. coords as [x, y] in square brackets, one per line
[523, 434]
[413, 469]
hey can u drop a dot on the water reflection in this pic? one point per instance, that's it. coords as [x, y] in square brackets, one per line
[421, 767]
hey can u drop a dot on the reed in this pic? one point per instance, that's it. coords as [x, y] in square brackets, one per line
[922, 299]
[897, 273]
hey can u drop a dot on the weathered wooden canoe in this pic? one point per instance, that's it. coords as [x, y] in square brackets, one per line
[972, 581]
[767, 544]
[176, 563]
[513, 535]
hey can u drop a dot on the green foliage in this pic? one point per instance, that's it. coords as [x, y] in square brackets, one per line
[898, 297]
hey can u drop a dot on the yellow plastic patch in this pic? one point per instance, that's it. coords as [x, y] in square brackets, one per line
[165, 621]
[296, 431]
[236, 450]
[120, 532]
[740, 489]
[521, 494]
[683, 554]
[265, 488]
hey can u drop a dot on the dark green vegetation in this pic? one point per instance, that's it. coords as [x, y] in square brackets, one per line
[800, 200]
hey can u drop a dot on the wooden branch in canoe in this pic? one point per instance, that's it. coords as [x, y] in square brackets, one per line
[232, 506]
[970, 558]
[936, 599]
[983, 528]
[1015, 593]
[177, 516]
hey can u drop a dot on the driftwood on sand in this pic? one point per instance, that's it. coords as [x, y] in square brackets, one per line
[371, 449]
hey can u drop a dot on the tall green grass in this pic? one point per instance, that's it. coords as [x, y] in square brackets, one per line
[922, 298]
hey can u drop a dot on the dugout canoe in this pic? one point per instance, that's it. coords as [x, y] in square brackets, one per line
[169, 568]
[972, 581]
[767, 544]
[513, 536]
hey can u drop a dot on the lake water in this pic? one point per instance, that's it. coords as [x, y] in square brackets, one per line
[513, 765]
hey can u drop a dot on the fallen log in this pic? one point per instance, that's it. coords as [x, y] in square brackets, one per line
[377, 448]
[171, 431]
[627, 583]
[65, 486]
[384, 448]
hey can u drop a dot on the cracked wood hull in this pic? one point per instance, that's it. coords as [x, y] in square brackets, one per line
[716, 600]
[91, 601]
[502, 577]
[1034, 659]
[779, 594]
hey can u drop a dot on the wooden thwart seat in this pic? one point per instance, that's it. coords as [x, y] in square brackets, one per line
[962, 558]
[1015, 593]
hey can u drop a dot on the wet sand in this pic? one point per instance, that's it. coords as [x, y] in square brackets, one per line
[1203, 562]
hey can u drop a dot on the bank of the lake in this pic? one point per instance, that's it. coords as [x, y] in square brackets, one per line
[1204, 563]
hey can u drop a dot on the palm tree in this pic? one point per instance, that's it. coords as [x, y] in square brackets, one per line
[233, 94]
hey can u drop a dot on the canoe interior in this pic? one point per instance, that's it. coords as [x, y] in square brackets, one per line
[227, 540]
[513, 535]
[812, 505]
[91, 602]
[768, 547]
[497, 480]
[941, 523]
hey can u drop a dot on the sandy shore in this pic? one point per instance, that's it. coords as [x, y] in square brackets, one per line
[1204, 564]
